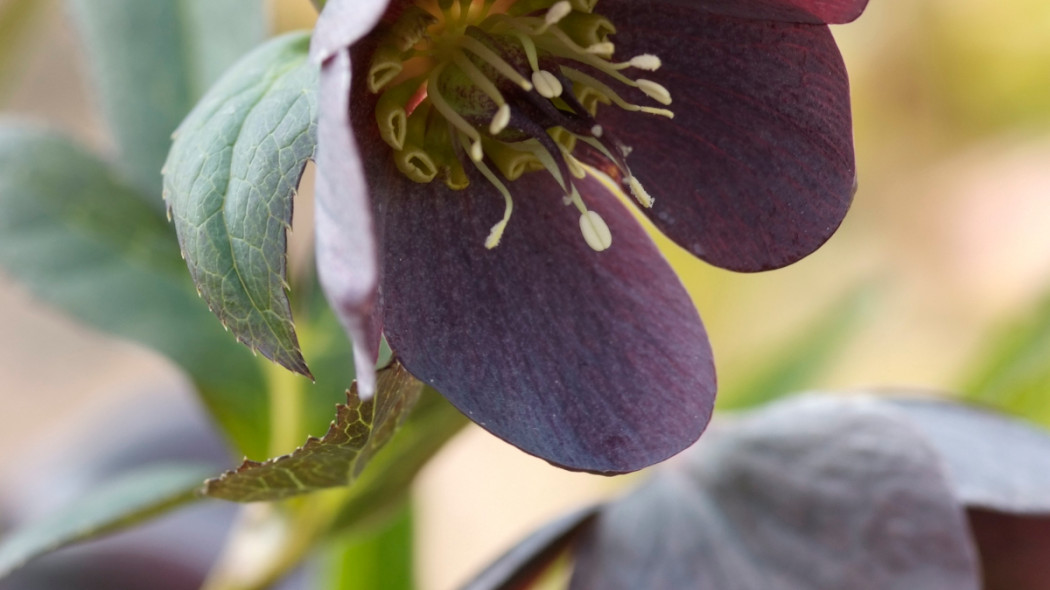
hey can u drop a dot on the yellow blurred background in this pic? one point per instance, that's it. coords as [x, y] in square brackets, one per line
[949, 237]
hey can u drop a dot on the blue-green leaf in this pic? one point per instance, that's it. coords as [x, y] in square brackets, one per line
[131, 499]
[150, 62]
[229, 182]
[81, 240]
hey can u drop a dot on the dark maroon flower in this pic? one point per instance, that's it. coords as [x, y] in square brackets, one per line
[475, 164]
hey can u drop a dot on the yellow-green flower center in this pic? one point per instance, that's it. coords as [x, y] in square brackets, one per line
[508, 87]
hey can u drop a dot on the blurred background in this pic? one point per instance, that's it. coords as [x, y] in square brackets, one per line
[942, 262]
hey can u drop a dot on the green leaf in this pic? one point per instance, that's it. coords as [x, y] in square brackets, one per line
[151, 61]
[360, 429]
[384, 488]
[81, 240]
[229, 183]
[1012, 372]
[131, 499]
[796, 364]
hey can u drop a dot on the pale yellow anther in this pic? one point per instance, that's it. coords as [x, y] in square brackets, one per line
[605, 48]
[556, 12]
[597, 131]
[639, 192]
[475, 151]
[646, 61]
[546, 84]
[595, 231]
[654, 91]
[500, 120]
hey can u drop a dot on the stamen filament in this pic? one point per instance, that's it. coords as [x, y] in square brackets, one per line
[451, 115]
[645, 61]
[580, 77]
[496, 233]
[481, 50]
[502, 116]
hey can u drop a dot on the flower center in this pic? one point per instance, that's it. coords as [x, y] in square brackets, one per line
[509, 87]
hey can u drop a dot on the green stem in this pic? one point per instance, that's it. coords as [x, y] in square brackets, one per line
[286, 409]
[382, 559]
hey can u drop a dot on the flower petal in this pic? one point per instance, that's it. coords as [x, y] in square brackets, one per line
[756, 170]
[347, 264]
[342, 23]
[594, 361]
[801, 11]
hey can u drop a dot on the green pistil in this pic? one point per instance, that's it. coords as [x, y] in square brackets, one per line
[454, 82]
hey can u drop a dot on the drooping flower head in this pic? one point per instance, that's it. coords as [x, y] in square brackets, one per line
[477, 160]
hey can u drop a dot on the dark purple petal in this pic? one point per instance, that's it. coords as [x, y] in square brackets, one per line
[346, 250]
[756, 170]
[342, 23]
[1015, 549]
[592, 361]
[801, 11]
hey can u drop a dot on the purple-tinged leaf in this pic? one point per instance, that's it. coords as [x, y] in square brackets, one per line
[812, 494]
[229, 181]
[992, 461]
[594, 361]
[756, 169]
[361, 428]
[1015, 549]
[527, 560]
[347, 262]
[124, 502]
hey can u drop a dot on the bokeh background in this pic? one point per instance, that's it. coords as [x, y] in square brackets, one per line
[943, 258]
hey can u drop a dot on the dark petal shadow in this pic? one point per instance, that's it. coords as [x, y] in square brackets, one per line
[756, 170]
[1014, 549]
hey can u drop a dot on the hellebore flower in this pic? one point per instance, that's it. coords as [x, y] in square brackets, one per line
[475, 161]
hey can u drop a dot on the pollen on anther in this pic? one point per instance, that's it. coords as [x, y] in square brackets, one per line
[639, 192]
[597, 131]
[546, 84]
